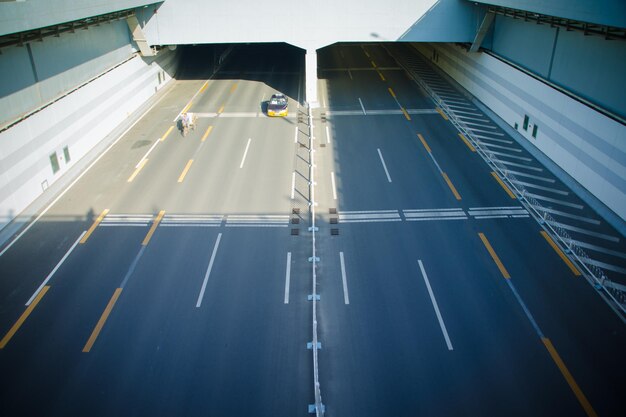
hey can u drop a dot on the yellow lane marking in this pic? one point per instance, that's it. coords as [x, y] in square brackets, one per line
[569, 378]
[495, 258]
[503, 185]
[560, 253]
[134, 174]
[220, 110]
[153, 227]
[424, 143]
[207, 133]
[204, 86]
[391, 92]
[167, 133]
[182, 174]
[442, 113]
[103, 319]
[23, 317]
[380, 74]
[469, 145]
[366, 53]
[406, 114]
[454, 191]
[233, 88]
[94, 225]
[373, 64]
[187, 107]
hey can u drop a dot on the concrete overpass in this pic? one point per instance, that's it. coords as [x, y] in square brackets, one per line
[489, 133]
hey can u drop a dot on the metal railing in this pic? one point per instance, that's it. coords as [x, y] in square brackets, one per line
[594, 274]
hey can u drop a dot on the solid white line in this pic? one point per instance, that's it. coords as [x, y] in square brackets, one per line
[208, 271]
[45, 281]
[287, 277]
[432, 298]
[245, 153]
[293, 185]
[147, 153]
[384, 165]
[350, 74]
[80, 176]
[346, 298]
[295, 136]
[362, 107]
[327, 135]
[332, 180]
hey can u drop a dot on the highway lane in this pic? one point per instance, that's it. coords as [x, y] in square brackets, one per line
[188, 294]
[524, 344]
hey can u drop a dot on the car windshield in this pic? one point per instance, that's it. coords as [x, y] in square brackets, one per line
[278, 101]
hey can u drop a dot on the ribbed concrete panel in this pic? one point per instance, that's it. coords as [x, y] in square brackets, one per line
[34, 14]
[602, 12]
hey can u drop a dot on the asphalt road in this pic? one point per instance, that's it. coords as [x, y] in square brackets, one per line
[183, 272]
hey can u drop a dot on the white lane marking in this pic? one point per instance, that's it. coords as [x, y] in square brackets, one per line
[147, 153]
[346, 217]
[571, 216]
[346, 298]
[208, 271]
[370, 211]
[293, 185]
[295, 135]
[350, 74]
[332, 180]
[599, 249]
[287, 277]
[417, 215]
[435, 161]
[585, 231]
[554, 200]
[45, 281]
[491, 145]
[519, 158]
[514, 164]
[435, 306]
[466, 112]
[604, 265]
[536, 177]
[362, 107]
[486, 131]
[489, 138]
[327, 135]
[384, 165]
[245, 153]
[540, 187]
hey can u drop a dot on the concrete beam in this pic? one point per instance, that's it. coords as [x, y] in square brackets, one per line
[482, 31]
[138, 36]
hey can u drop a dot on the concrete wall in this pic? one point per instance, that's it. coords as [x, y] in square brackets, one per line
[20, 16]
[78, 122]
[34, 74]
[590, 147]
[307, 24]
[589, 66]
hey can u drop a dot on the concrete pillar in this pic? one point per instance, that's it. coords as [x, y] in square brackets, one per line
[310, 69]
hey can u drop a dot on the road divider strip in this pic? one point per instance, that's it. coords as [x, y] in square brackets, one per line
[138, 168]
[158, 219]
[503, 185]
[494, 256]
[166, 134]
[102, 321]
[7, 337]
[207, 133]
[582, 399]
[421, 138]
[452, 187]
[442, 113]
[183, 174]
[558, 250]
[93, 226]
[406, 115]
[469, 145]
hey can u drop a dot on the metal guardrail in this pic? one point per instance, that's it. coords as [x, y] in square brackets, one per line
[595, 275]
[318, 406]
